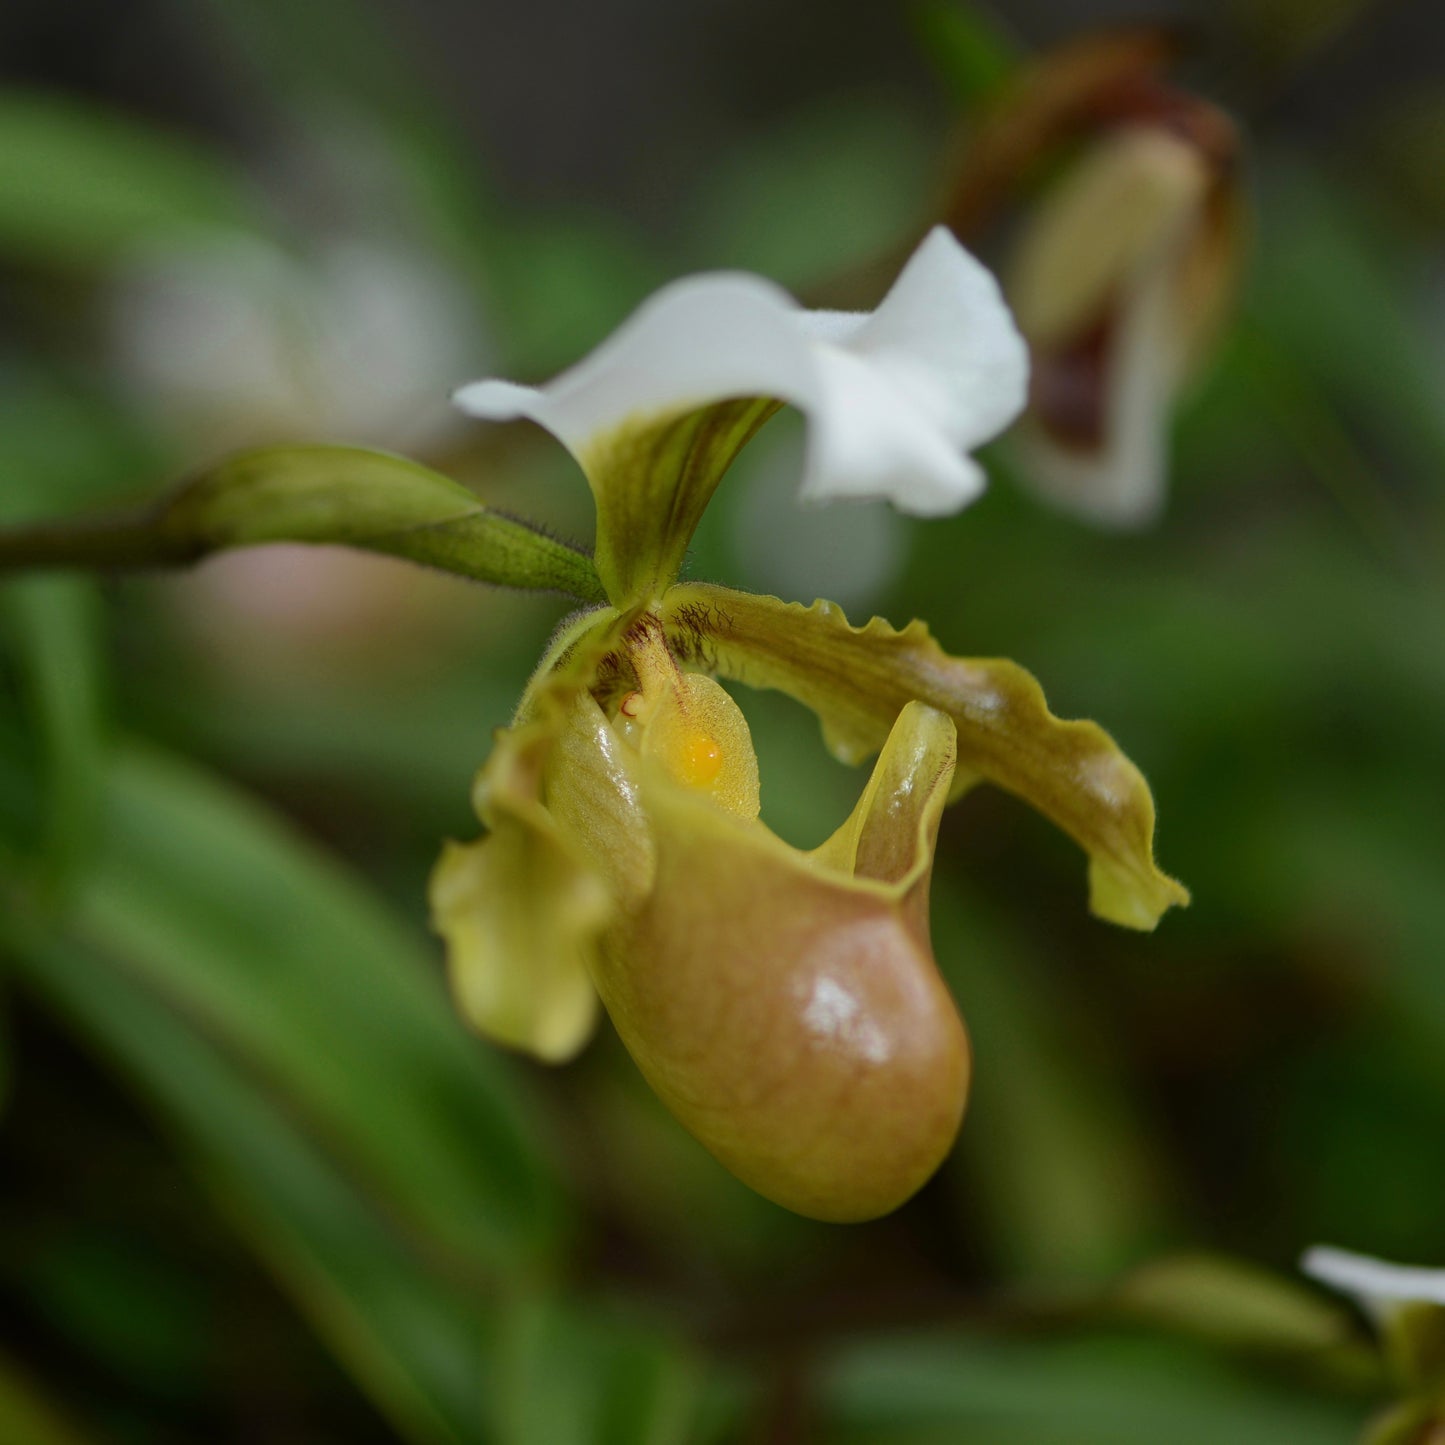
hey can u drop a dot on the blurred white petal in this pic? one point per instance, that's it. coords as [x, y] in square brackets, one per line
[1378, 1285]
[237, 343]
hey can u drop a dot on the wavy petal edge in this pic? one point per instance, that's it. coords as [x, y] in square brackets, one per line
[858, 679]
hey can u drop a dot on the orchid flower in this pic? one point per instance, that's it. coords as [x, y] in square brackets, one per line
[784, 1004]
[1406, 1304]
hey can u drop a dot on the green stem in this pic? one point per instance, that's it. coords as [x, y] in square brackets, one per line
[104, 543]
[319, 494]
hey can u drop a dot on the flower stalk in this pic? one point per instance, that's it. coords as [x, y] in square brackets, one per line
[318, 494]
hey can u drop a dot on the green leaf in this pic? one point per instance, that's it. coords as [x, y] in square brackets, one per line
[299, 1044]
[412, 1336]
[303, 1054]
[284, 962]
[864, 165]
[972, 53]
[79, 184]
[1328, 292]
[575, 1376]
[1233, 1303]
[319, 494]
[1056, 1148]
[1093, 1391]
[25, 1417]
[54, 622]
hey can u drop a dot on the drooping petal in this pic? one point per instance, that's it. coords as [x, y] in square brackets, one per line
[895, 400]
[858, 679]
[521, 911]
[788, 1012]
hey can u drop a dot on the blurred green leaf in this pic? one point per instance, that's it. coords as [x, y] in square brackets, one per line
[412, 1337]
[1232, 1303]
[282, 959]
[1334, 288]
[54, 622]
[971, 51]
[350, 92]
[79, 184]
[1362, 861]
[1095, 1391]
[832, 188]
[304, 1052]
[140, 1314]
[560, 283]
[1055, 1151]
[574, 1377]
[26, 1418]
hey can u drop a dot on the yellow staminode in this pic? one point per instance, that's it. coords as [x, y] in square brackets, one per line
[689, 725]
[697, 759]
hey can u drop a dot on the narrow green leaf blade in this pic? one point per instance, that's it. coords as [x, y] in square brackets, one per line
[412, 1337]
[287, 964]
[53, 620]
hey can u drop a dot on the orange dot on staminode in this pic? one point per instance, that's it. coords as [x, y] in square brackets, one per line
[699, 759]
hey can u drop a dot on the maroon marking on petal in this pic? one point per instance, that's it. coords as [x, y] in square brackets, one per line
[1069, 389]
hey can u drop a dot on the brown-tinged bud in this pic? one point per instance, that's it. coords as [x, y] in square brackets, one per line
[1119, 278]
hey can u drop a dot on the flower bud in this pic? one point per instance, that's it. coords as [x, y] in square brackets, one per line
[1118, 280]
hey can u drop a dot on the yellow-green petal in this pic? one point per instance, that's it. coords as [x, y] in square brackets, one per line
[521, 910]
[858, 679]
[519, 916]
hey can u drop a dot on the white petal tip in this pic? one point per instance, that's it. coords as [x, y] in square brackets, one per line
[1375, 1283]
[497, 400]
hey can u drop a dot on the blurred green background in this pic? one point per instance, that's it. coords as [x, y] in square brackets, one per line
[258, 1184]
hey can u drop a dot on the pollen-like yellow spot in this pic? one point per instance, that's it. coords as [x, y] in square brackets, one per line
[697, 759]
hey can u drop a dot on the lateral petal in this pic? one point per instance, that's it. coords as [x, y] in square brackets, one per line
[858, 679]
